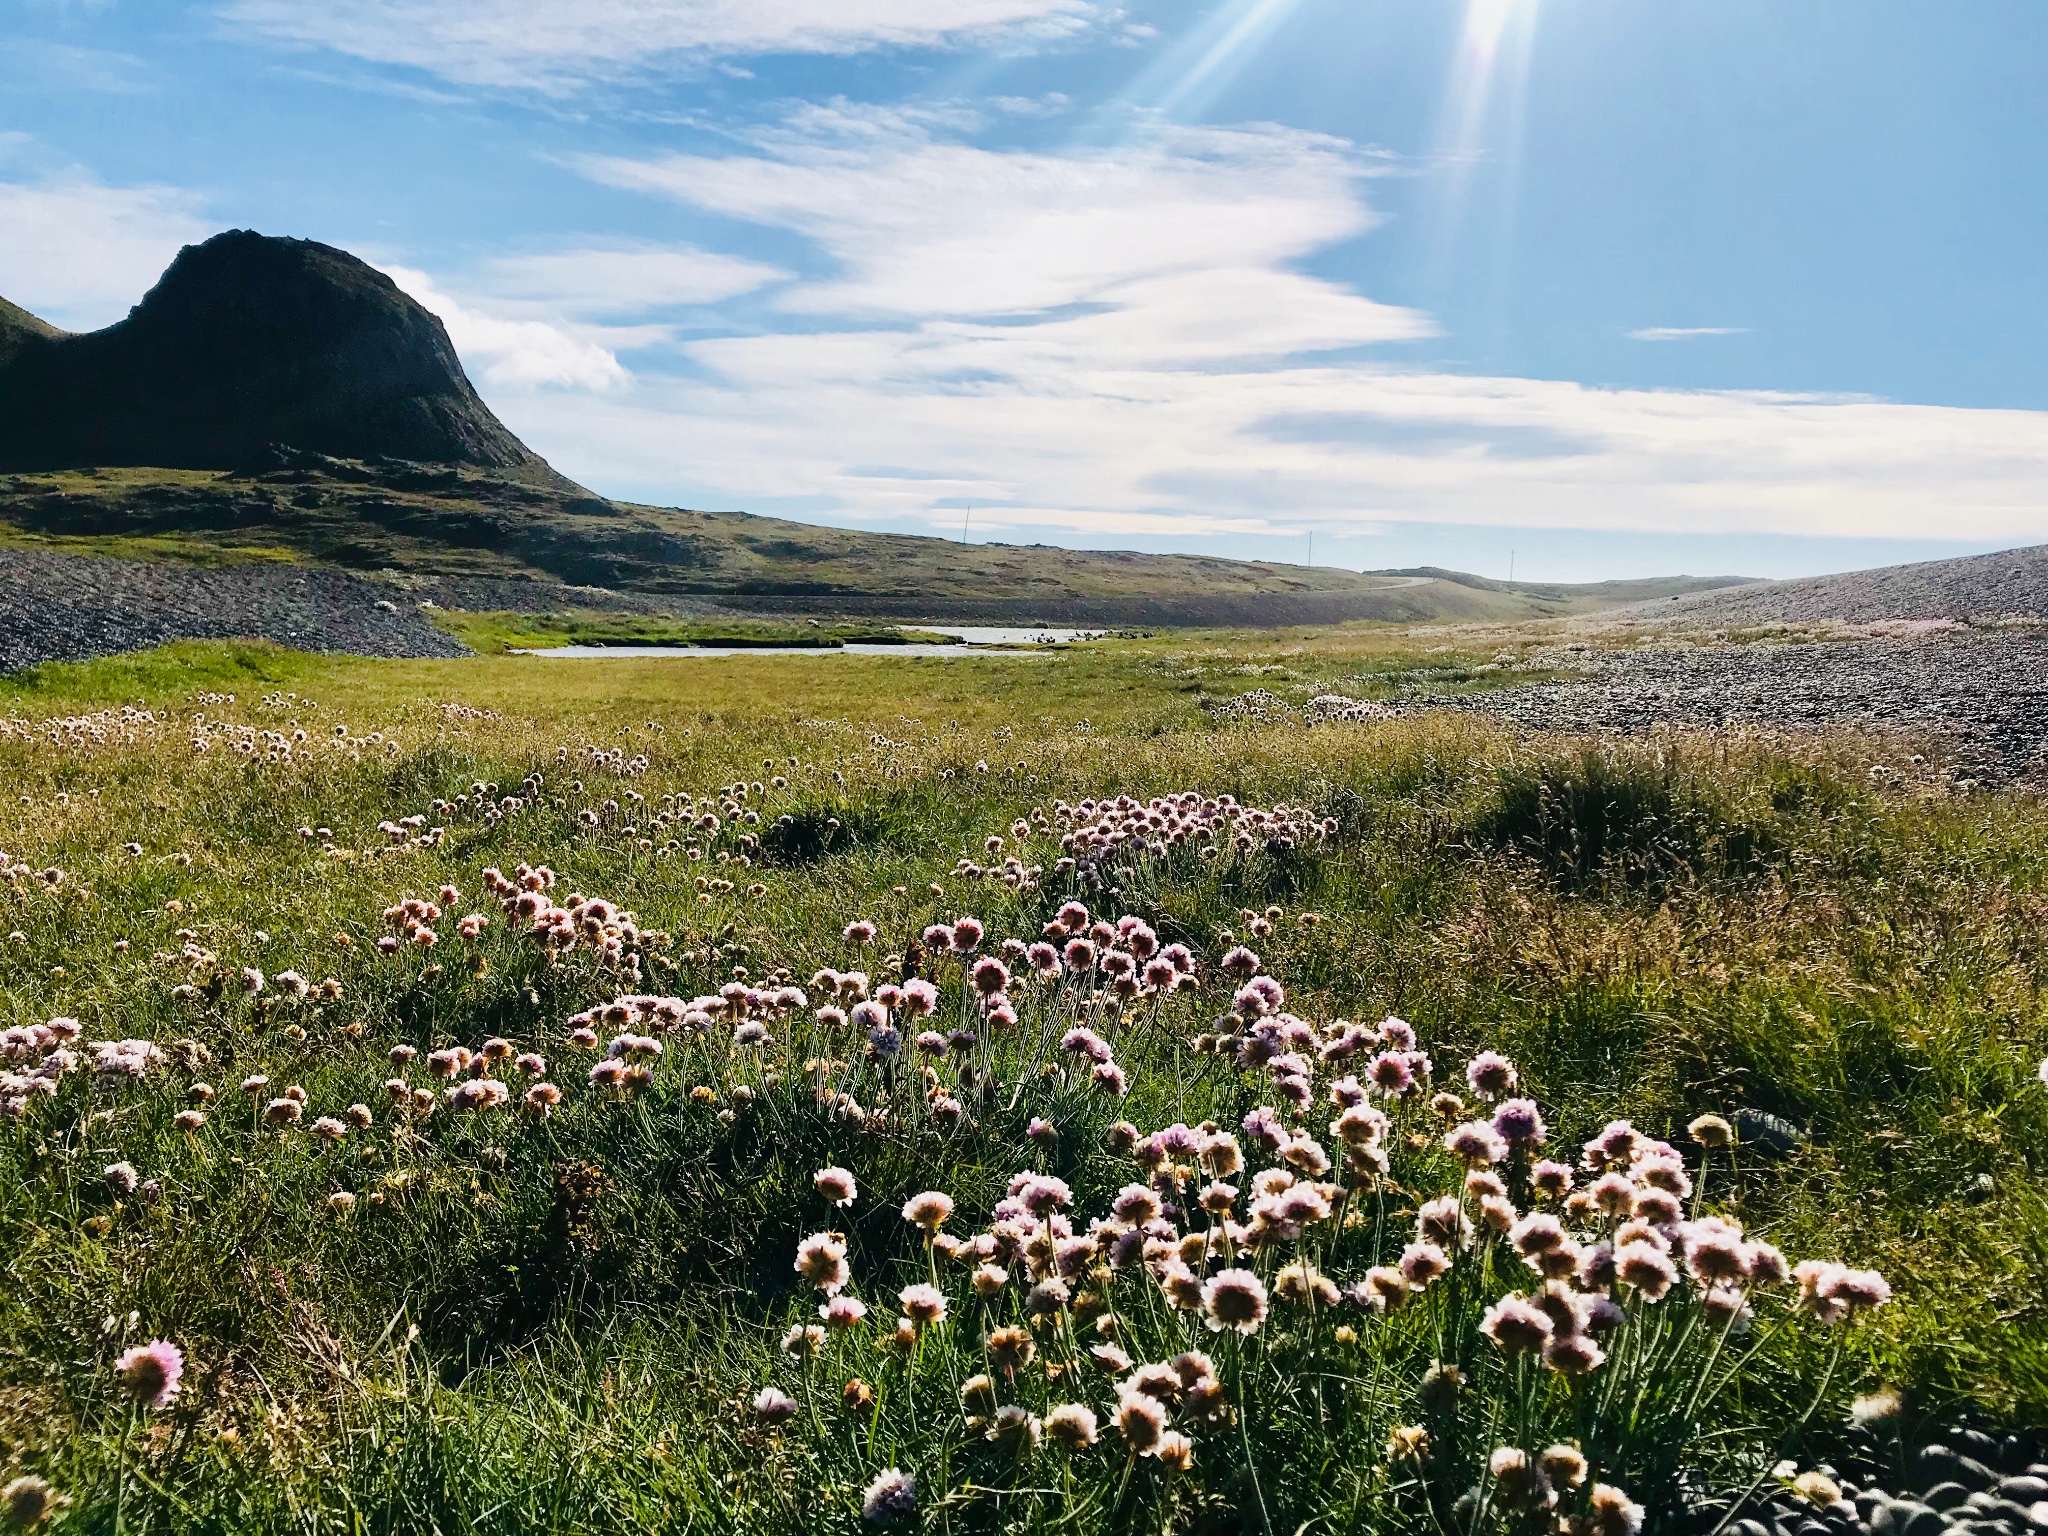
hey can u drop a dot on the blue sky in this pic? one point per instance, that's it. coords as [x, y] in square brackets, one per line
[1608, 289]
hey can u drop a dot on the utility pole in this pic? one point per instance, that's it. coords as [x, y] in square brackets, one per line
[1511, 567]
[965, 518]
[1311, 549]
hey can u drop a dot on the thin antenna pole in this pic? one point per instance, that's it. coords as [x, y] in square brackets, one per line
[965, 518]
[1311, 549]
[1511, 565]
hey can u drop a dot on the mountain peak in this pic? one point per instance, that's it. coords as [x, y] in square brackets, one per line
[246, 341]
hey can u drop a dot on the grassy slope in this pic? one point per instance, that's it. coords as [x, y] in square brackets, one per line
[1863, 962]
[467, 524]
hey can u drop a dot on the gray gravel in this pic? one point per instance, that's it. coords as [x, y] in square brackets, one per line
[1965, 1481]
[1983, 694]
[74, 607]
[2013, 582]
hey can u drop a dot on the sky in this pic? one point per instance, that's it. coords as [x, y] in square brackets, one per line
[1573, 289]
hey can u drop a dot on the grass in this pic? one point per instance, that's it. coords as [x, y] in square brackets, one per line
[559, 1325]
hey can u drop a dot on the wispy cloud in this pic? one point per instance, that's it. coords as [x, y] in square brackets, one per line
[555, 46]
[515, 354]
[1685, 332]
[1110, 342]
[80, 253]
[623, 280]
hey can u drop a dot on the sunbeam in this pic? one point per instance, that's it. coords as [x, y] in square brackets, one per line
[1188, 77]
[1480, 120]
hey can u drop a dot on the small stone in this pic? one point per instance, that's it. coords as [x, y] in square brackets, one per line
[1910, 1518]
[1946, 1496]
[2024, 1489]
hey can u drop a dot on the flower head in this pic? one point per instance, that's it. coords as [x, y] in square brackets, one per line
[1515, 1325]
[1610, 1512]
[923, 1305]
[836, 1185]
[1492, 1075]
[1072, 1425]
[891, 1497]
[821, 1259]
[928, 1210]
[773, 1406]
[1235, 1298]
[150, 1373]
[1141, 1420]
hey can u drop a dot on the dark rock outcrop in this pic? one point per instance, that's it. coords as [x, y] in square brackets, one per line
[248, 341]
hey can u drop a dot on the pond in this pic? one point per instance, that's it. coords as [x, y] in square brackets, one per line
[956, 652]
[977, 640]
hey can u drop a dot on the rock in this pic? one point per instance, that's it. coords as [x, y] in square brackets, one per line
[1909, 1518]
[245, 342]
[2023, 1490]
[2037, 1515]
[1946, 1496]
[74, 607]
[1767, 1133]
[1986, 691]
[1939, 1463]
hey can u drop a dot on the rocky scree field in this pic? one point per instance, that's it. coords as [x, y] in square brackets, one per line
[498, 1110]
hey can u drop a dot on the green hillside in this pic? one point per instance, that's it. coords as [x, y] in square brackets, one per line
[456, 522]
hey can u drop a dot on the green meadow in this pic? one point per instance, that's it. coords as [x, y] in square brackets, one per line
[412, 1303]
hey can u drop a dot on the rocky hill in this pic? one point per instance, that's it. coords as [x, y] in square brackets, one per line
[247, 341]
[2012, 583]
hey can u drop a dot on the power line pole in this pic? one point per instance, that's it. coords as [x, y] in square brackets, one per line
[965, 518]
[1511, 566]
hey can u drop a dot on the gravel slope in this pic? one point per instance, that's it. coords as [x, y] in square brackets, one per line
[2013, 582]
[1985, 692]
[72, 607]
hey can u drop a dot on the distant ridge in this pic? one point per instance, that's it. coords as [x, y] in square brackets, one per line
[2012, 583]
[245, 342]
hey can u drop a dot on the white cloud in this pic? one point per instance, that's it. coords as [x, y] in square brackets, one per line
[599, 281]
[1181, 243]
[556, 44]
[1685, 332]
[514, 354]
[81, 254]
[1122, 341]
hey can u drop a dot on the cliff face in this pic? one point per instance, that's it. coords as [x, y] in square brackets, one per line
[248, 341]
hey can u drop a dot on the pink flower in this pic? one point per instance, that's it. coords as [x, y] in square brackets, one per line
[1234, 1298]
[1515, 1326]
[1477, 1142]
[923, 1304]
[1492, 1075]
[1645, 1267]
[1422, 1263]
[1390, 1074]
[836, 1185]
[150, 1373]
[843, 1312]
[928, 1210]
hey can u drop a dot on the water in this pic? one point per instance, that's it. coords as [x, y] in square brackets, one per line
[956, 652]
[975, 637]
[975, 634]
